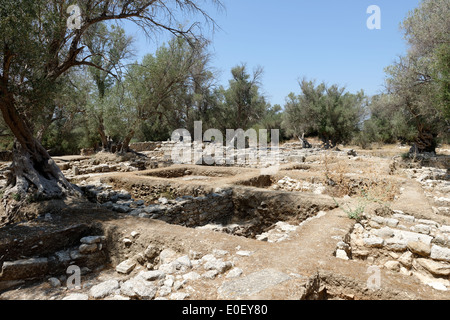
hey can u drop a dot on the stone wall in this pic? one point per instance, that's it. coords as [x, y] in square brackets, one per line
[404, 244]
[162, 151]
[197, 211]
[87, 152]
[190, 211]
[145, 146]
[242, 211]
[39, 255]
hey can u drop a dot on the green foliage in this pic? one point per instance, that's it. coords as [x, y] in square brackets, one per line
[388, 123]
[420, 80]
[441, 72]
[98, 100]
[416, 107]
[356, 212]
[41, 59]
[272, 120]
[242, 104]
[169, 90]
[366, 198]
[328, 111]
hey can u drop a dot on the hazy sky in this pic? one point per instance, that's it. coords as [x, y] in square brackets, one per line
[325, 40]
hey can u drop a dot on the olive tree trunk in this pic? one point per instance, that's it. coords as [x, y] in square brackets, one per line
[33, 175]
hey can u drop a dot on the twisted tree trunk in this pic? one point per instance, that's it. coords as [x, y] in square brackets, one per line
[33, 174]
[101, 130]
[426, 141]
[305, 143]
[125, 147]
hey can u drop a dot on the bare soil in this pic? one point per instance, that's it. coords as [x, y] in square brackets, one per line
[307, 254]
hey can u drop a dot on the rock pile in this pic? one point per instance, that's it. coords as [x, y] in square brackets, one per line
[161, 275]
[254, 157]
[279, 233]
[188, 211]
[289, 184]
[77, 168]
[402, 243]
[89, 255]
[436, 184]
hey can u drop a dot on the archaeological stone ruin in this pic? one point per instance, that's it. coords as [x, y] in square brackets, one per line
[322, 224]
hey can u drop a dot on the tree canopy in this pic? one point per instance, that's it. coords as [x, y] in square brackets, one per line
[326, 111]
[37, 53]
[420, 79]
[66, 86]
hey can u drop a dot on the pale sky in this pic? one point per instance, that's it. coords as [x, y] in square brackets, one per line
[325, 40]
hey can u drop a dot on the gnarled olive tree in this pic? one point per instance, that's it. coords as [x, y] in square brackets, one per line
[40, 42]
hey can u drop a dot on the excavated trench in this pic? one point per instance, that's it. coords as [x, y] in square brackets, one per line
[241, 205]
[27, 265]
[243, 202]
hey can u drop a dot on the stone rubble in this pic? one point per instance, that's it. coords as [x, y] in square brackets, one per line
[413, 247]
[289, 184]
[279, 233]
[169, 278]
[436, 185]
[188, 211]
[164, 275]
[402, 243]
[89, 167]
[90, 253]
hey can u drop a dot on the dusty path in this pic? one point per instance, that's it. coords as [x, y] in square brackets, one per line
[307, 255]
[303, 266]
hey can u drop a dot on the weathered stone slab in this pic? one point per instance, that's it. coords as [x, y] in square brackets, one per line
[440, 253]
[219, 265]
[104, 289]
[419, 248]
[252, 284]
[126, 267]
[412, 236]
[374, 242]
[428, 222]
[151, 275]
[76, 296]
[395, 244]
[87, 248]
[139, 288]
[92, 239]
[404, 217]
[421, 228]
[24, 269]
[434, 267]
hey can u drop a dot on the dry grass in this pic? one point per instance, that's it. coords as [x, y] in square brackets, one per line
[341, 179]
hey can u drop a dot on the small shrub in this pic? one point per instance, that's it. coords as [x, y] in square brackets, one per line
[16, 197]
[364, 199]
[356, 213]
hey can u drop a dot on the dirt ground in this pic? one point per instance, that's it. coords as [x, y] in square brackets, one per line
[307, 255]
